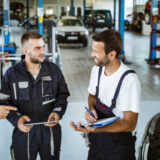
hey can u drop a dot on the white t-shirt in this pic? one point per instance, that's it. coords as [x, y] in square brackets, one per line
[35, 76]
[129, 95]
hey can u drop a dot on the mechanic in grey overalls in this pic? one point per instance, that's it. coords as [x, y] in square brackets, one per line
[114, 90]
[38, 90]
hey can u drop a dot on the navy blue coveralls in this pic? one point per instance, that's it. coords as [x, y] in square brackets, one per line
[110, 146]
[37, 99]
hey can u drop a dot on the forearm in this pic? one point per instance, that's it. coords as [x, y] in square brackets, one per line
[117, 126]
[91, 101]
[127, 124]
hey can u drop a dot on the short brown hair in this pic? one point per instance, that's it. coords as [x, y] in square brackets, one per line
[112, 41]
[30, 35]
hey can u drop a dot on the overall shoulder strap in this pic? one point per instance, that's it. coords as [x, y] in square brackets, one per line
[113, 105]
[99, 75]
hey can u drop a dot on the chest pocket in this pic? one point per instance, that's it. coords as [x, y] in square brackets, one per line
[23, 90]
[47, 86]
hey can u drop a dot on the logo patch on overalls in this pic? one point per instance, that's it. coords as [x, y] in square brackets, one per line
[23, 84]
[47, 78]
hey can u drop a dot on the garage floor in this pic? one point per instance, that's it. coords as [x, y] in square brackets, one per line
[76, 67]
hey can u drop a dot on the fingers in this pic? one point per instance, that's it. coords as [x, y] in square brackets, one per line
[53, 117]
[26, 119]
[51, 124]
[89, 118]
[89, 129]
[3, 113]
[4, 110]
[21, 124]
[73, 126]
[79, 128]
[95, 114]
[26, 129]
[11, 108]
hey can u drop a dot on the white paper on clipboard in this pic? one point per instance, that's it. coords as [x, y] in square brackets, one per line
[101, 122]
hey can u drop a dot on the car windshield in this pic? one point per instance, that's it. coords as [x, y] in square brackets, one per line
[102, 14]
[69, 22]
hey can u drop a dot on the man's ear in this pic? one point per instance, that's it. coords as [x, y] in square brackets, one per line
[24, 50]
[112, 54]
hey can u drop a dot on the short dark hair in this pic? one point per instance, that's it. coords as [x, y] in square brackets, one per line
[30, 35]
[112, 41]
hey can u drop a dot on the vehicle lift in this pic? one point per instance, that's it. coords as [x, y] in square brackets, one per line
[155, 18]
[40, 13]
[7, 47]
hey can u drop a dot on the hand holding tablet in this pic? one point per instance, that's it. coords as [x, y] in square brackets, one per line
[39, 123]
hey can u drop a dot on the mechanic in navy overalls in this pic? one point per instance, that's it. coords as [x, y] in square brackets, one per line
[114, 90]
[39, 91]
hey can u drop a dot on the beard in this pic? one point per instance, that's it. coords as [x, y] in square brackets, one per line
[103, 62]
[36, 60]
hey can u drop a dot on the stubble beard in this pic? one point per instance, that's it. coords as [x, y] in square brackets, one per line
[104, 62]
[35, 61]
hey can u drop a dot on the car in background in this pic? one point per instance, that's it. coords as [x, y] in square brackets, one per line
[98, 19]
[102, 18]
[70, 29]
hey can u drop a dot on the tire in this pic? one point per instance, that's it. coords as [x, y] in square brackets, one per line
[93, 29]
[85, 43]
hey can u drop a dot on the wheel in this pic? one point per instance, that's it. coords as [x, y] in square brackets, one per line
[93, 29]
[85, 43]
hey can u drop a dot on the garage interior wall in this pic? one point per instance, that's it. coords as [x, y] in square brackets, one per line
[55, 5]
[139, 5]
[66, 4]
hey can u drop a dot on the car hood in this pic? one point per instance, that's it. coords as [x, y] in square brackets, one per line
[71, 29]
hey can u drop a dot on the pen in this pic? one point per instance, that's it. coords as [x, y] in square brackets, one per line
[90, 112]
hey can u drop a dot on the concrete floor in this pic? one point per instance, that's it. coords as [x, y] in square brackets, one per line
[76, 67]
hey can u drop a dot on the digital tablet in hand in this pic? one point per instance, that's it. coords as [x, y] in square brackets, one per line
[39, 123]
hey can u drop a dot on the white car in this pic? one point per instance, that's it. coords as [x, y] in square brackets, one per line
[70, 29]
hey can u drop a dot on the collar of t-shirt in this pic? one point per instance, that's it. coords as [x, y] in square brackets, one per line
[114, 74]
[35, 76]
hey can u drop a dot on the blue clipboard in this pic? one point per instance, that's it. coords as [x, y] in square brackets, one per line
[102, 122]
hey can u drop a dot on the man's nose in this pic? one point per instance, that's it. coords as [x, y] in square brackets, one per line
[92, 54]
[42, 50]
